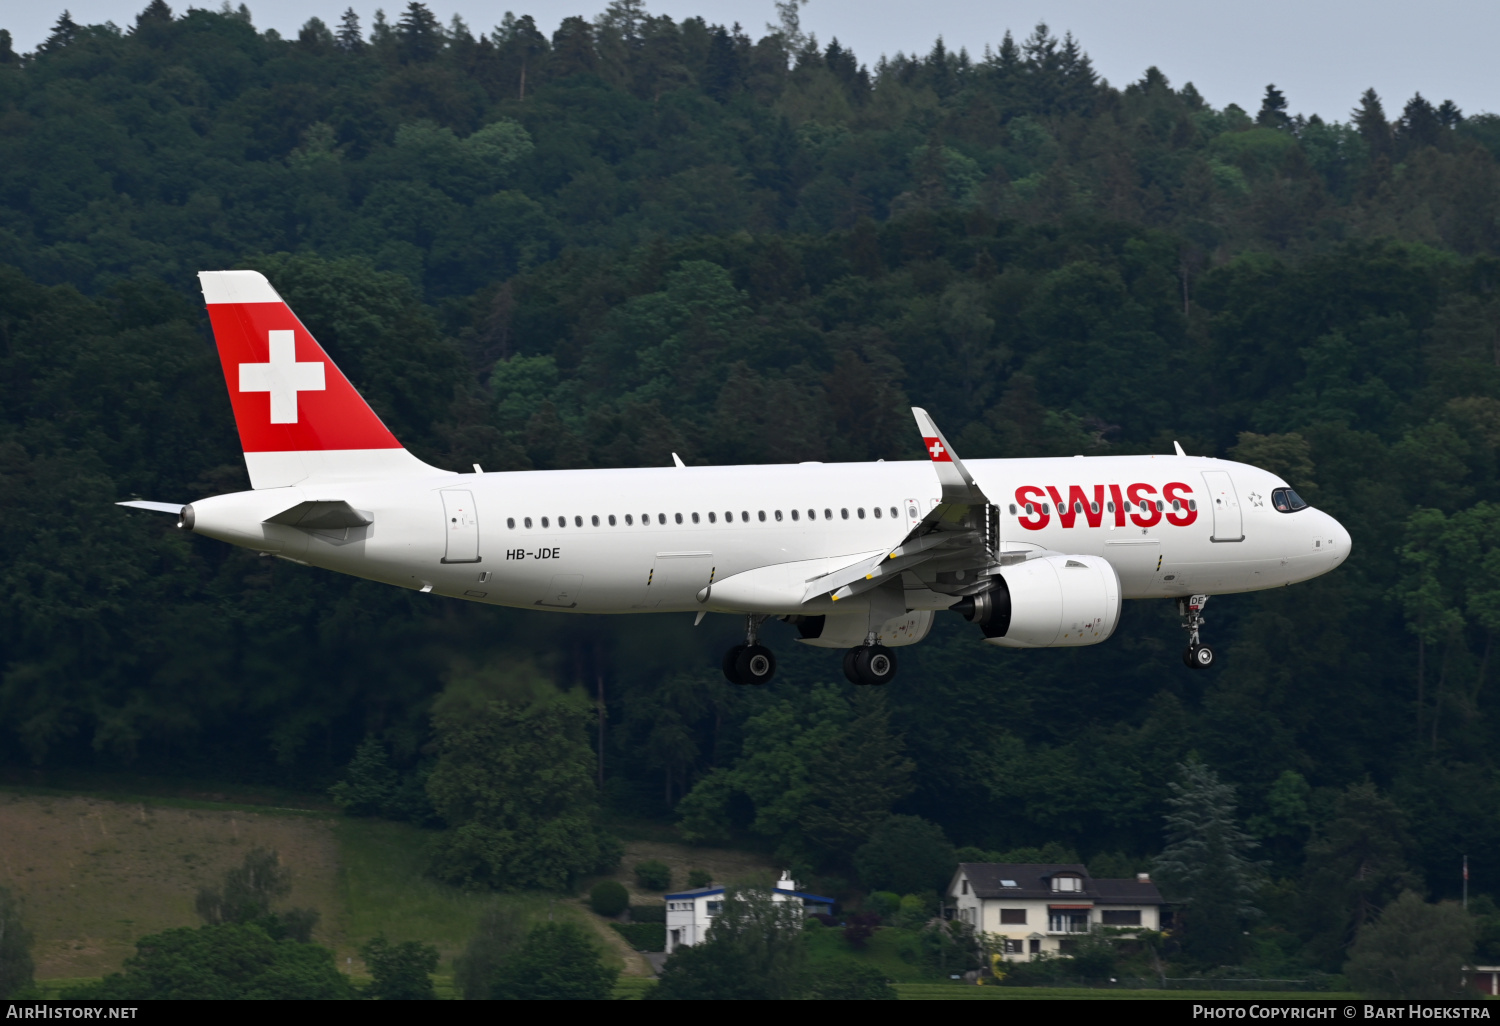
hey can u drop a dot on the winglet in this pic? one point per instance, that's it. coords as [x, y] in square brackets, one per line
[677, 461]
[1178, 447]
[958, 485]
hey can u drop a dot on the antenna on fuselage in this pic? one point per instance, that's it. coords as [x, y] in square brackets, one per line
[1178, 447]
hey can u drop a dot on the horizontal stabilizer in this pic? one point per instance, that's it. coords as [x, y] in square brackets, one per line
[174, 508]
[324, 515]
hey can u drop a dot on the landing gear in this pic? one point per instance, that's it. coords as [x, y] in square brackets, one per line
[1197, 656]
[870, 664]
[752, 662]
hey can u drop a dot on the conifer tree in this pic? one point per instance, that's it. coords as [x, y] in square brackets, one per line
[1206, 865]
[419, 36]
[349, 39]
[1369, 119]
[1273, 110]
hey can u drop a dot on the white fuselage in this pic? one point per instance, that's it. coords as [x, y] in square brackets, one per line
[643, 540]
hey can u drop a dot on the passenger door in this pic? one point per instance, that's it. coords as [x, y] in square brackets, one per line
[462, 525]
[1228, 522]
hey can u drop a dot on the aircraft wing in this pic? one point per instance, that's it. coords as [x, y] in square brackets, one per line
[952, 537]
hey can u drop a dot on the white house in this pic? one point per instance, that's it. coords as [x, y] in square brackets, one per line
[690, 913]
[1036, 908]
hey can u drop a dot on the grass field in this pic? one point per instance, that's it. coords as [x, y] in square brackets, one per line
[951, 991]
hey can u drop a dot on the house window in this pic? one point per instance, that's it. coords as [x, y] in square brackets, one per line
[1014, 946]
[1067, 883]
[965, 887]
[714, 907]
[1012, 917]
[1068, 922]
[1036, 946]
[1122, 918]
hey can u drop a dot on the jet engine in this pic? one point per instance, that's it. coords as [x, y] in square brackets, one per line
[1048, 602]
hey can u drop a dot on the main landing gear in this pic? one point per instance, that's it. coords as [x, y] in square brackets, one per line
[752, 662]
[870, 663]
[1197, 656]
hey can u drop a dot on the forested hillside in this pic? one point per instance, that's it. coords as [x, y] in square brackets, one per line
[642, 236]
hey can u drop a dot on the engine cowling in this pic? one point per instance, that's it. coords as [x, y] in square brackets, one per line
[1049, 602]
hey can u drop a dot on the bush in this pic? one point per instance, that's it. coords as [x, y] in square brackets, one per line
[400, 972]
[557, 962]
[648, 913]
[700, 878]
[885, 903]
[653, 875]
[609, 898]
[643, 936]
[853, 982]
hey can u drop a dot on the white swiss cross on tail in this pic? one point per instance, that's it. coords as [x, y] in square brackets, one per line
[283, 377]
[937, 450]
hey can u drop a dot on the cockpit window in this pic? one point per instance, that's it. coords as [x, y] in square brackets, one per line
[1286, 500]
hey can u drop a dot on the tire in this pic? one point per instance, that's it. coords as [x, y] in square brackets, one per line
[755, 665]
[731, 660]
[875, 664]
[1187, 658]
[850, 673]
[1203, 657]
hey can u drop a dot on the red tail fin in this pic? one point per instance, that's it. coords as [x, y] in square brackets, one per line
[299, 418]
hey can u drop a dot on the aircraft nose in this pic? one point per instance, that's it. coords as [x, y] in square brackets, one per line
[1338, 540]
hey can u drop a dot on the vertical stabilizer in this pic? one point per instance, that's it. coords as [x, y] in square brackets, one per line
[299, 418]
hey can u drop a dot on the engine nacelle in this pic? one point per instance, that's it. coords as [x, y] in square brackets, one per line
[1049, 602]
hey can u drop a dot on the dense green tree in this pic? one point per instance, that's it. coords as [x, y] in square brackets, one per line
[227, 962]
[1206, 865]
[400, 972]
[499, 934]
[1356, 863]
[1414, 950]
[514, 781]
[906, 854]
[556, 962]
[852, 981]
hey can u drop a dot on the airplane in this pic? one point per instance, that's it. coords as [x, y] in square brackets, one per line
[1036, 553]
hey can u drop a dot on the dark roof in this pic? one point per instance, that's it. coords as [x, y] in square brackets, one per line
[702, 892]
[1034, 881]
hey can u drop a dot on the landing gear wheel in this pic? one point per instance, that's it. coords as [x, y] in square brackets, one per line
[849, 672]
[756, 664]
[1200, 657]
[731, 660]
[873, 664]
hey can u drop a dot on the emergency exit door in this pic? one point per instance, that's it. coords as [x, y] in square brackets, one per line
[1229, 524]
[462, 525]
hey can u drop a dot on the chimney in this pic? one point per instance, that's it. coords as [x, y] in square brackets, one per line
[1143, 878]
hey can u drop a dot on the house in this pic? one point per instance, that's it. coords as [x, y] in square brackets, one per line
[1036, 908]
[690, 913]
[1484, 978]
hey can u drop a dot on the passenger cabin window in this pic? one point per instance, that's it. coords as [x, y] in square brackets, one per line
[611, 520]
[876, 511]
[1286, 500]
[745, 516]
[828, 514]
[544, 521]
[844, 513]
[510, 522]
[778, 516]
[894, 514]
[796, 515]
[578, 521]
[679, 517]
[528, 521]
[594, 520]
[812, 514]
[562, 521]
[661, 518]
[629, 520]
[713, 518]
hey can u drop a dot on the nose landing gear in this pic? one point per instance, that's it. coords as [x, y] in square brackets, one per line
[752, 662]
[1197, 656]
